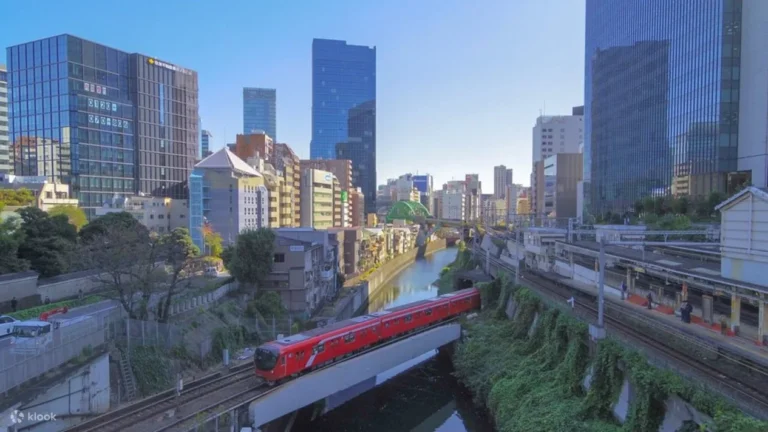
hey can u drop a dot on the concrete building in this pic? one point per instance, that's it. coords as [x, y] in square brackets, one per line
[304, 269]
[424, 184]
[317, 199]
[553, 135]
[256, 144]
[562, 174]
[280, 205]
[350, 239]
[160, 215]
[341, 168]
[454, 204]
[537, 188]
[260, 111]
[371, 220]
[743, 240]
[47, 194]
[473, 202]
[228, 195]
[5, 157]
[502, 177]
[404, 188]
[357, 207]
[286, 160]
[523, 204]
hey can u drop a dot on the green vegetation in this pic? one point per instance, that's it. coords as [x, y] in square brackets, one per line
[213, 242]
[463, 261]
[250, 259]
[152, 368]
[267, 304]
[75, 215]
[535, 382]
[48, 242]
[16, 197]
[231, 337]
[132, 262]
[34, 312]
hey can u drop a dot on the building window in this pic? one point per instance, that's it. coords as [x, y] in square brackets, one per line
[279, 258]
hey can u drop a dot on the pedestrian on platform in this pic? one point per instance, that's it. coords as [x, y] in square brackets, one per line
[14, 303]
[685, 312]
[47, 300]
[650, 300]
[623, 290]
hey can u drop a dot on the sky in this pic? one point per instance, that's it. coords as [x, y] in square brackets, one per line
[459, 83]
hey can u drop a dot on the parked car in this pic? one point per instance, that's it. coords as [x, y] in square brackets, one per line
[6, 325]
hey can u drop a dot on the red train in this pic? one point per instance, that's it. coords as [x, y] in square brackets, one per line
[300, 353]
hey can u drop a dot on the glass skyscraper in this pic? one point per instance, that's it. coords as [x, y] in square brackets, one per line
[344, 109]
[101, 120]
[661, 95]
[205, 143]
[5, 165]
[260, 111]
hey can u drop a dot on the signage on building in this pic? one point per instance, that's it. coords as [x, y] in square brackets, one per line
[296, 248]
[168, 66]
[328, 177]
[344, 196]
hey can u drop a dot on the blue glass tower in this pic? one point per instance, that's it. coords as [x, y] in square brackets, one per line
[260, 111]
[344, 109]
[101, 120]
[661, 95]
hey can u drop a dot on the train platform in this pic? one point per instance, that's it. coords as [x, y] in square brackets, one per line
[698, 329]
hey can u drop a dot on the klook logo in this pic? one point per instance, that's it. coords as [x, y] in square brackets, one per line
[19, 417]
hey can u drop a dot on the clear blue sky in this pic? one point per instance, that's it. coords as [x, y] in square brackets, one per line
[460, 83]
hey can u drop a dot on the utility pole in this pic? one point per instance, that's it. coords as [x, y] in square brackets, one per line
[601, 287]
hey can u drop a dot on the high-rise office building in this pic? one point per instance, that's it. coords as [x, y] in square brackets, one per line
[553, 135]
[5, 161]
[102, 120]
[423, 183]
[502, 178]
[657, 117]
[344, 110]
[260, 111]
[205, 143]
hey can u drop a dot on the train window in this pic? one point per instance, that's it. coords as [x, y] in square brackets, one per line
[428, 312]
[408, 318]
[349, 337]
[386, 324]
[318, 348]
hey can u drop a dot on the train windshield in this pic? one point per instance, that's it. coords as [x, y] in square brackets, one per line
[265, 358]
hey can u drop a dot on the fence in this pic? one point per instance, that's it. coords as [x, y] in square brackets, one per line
[197, 344]
[204, 300]
[29, 358]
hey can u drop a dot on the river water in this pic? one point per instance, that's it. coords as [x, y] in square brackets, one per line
[426, 398]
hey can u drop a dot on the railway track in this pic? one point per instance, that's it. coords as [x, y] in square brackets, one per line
[757, 396]
[122, 418]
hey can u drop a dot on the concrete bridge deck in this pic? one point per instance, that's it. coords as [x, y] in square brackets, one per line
[327, 382]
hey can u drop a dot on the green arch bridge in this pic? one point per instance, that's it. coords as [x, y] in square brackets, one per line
[411, 211]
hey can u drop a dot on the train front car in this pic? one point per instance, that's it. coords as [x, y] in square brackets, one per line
[266, 359]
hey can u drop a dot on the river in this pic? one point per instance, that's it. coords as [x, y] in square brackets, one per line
[427, 397]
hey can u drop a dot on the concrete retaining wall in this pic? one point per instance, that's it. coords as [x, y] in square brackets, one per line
[362, 291]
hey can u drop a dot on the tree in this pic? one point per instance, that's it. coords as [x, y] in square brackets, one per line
[74, 214]
[250, 260]
[178, 251]
[16, 197]
[267, 304]
[129, 261]
[213, 242]
[49, 241]
[11, 237]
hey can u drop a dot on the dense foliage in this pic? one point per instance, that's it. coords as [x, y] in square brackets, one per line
[16, 197]
[152, 369]
[267, 304]
[48, 241]
[75, 215]
[213, 242]
[250, 259]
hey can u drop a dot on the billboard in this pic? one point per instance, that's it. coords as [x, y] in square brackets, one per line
[344, 196]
